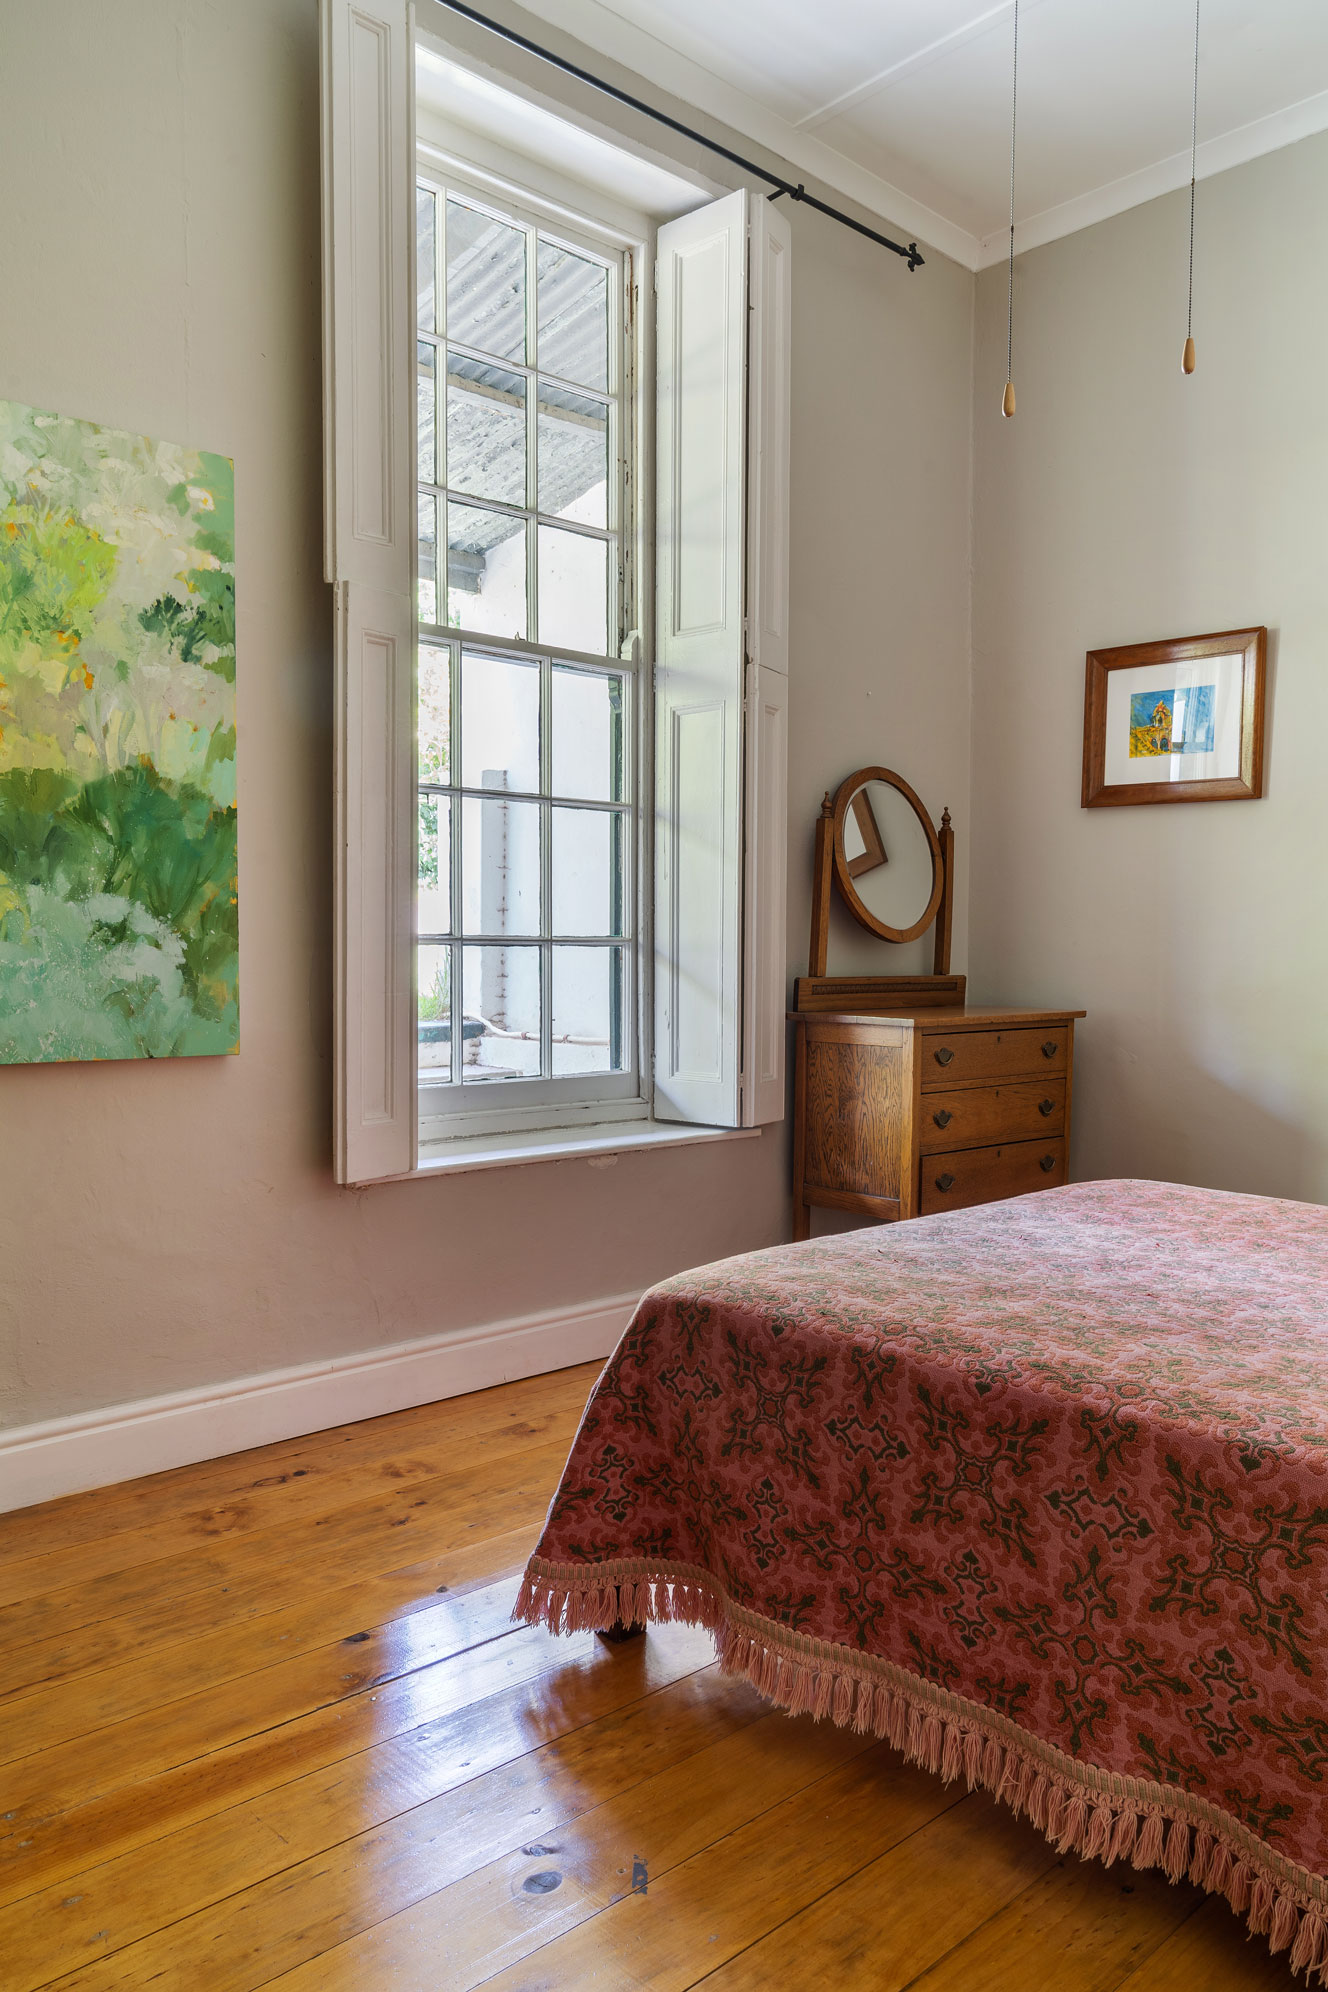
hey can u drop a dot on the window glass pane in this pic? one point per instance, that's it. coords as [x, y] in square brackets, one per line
[573, 316]
[425, 206]
[434, 712]
[428, 550]
[500, 723]
[526, 869]
[500, 866]
[500, 990]
[573, 590]
[588, 734]
[486, 430]
[486, 282]
[434, 894]
[573, 446]
[433, 977]
[589, 1010]
[486, 571]
[426, 389]
[587, 871]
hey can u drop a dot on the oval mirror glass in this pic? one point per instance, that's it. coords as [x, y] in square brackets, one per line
[889, 858]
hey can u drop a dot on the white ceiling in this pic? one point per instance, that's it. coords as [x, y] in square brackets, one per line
[905, 104]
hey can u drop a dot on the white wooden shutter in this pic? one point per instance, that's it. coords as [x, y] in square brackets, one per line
[722, 540]
[368, 416]
[701, 357]
[765, 797]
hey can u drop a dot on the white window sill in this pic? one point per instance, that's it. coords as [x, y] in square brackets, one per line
[552, 1144]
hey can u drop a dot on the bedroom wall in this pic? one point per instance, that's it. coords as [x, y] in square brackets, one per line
[1123, 503]
[170, 1225]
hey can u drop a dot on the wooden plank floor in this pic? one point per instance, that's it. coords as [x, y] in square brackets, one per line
[265, 1722]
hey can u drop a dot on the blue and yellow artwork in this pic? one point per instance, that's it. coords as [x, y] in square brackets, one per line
[1172, 722]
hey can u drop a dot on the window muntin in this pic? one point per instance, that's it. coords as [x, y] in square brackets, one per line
[520, 404]
[526, 935]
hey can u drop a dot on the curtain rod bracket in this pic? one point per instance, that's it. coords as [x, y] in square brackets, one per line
[799, 193]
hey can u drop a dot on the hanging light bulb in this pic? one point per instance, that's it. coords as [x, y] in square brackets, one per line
[1187, 355]
[1007, 399]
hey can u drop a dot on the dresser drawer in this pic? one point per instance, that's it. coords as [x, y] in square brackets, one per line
[984, 1175]
[977, 1116]
[959, 1055]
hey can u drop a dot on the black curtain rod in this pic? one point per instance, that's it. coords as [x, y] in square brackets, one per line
[795, 193]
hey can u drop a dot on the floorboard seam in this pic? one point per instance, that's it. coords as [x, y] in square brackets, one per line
[72, 1875]
[710, 1847]
[27, 1690]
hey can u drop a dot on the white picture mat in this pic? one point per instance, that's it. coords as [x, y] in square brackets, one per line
[1226, 673]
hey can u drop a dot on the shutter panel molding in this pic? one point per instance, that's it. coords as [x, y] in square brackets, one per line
[770, 402]
[765, 925]
[721, 672]
[368, 418]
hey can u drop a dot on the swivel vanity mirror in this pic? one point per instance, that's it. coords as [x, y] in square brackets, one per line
[888, 863]
[906, 1099]
[895, 874]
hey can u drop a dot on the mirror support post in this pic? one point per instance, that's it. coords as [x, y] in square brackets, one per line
[821, 874]
[945, 911]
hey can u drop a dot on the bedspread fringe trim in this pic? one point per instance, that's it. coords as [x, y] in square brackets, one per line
[1100, 1815]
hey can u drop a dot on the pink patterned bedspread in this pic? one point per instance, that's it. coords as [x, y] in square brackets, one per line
[1037, 1490]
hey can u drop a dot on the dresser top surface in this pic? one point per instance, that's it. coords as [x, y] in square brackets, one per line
[943, 1018]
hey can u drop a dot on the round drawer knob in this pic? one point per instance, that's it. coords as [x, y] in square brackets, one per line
[944, 1055]
[1048, 1162]
[1050, 1048]
[944, 1183]
[943, 1118]
[1046, 1107]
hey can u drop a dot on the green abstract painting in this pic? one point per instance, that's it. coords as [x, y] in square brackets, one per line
[118, 916]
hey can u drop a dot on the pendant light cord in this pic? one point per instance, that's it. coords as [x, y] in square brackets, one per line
[1014, 110]
[1194, 153]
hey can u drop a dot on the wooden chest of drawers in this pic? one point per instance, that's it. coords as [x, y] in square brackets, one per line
[932, 1109]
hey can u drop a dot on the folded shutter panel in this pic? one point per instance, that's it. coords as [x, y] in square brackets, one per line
[368, 397]
[765, 797]
[722, 454]
[699, 443]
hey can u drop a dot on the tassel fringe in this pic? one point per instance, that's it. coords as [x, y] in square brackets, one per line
[1083, 1816]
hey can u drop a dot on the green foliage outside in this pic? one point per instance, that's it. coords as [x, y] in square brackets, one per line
[118, 913]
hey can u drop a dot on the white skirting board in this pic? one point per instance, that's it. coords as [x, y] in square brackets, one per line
[96, 1448]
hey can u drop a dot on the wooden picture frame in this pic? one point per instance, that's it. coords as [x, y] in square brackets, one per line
[1210, 687]
[873, 851]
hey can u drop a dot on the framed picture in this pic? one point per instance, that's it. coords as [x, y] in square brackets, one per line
[863, 848]
[1176, 721]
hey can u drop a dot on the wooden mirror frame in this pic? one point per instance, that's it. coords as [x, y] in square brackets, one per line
[817, 991]
[844, 876]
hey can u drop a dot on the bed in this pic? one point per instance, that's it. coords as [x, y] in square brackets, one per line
[1038, 1491]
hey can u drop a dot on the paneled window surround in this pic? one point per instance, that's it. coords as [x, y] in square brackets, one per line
[557, 531]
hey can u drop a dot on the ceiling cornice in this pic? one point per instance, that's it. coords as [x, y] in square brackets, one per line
[1215, 155]
[599, 27]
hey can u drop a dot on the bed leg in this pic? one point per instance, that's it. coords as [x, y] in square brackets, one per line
[620, 1631]
[618, 1634]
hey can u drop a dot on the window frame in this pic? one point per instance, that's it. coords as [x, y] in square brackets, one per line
[448, 1110]
[369, 163]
